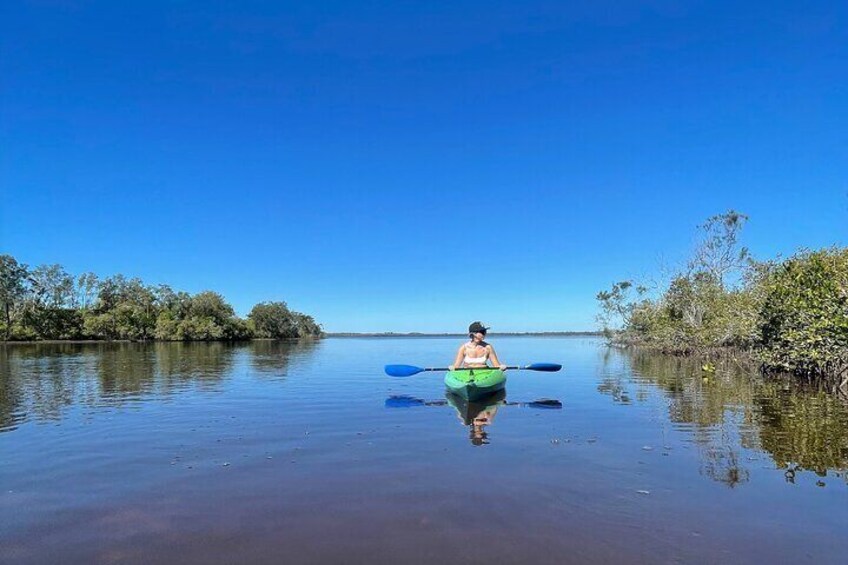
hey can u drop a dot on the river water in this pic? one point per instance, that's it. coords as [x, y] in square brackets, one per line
[306, 452]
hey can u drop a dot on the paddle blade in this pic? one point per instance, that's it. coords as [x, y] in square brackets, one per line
[402, 370]
[404, 402]
[547, 367]
[546, 403]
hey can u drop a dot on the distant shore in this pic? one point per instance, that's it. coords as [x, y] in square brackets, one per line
[89, 341]
[416, 334]
[336, 334]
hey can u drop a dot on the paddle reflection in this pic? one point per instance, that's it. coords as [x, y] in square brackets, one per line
[476, 415]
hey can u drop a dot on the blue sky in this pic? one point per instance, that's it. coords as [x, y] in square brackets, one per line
[413, 166]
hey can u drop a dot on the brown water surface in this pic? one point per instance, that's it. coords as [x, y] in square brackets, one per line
[307, 452]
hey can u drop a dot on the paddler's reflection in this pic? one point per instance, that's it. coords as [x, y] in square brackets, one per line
[477, 414]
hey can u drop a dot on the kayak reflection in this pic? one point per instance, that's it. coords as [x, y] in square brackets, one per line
[476, 414]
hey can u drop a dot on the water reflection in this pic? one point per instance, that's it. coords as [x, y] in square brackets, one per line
[475, 415]
[734, 409]
[175, 365]
[39, 382]
[11, 396]
[803, 430]
[272, 357]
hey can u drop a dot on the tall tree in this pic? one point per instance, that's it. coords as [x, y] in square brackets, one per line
[718, 252]
[273, 320]
[14, 279]
[86, 290]
[52, 286]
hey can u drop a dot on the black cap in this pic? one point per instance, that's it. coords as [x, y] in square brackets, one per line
[477, 327]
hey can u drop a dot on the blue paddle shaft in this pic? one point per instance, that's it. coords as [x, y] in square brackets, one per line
[409, 370]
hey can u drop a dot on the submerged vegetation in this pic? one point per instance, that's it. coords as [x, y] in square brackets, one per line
[791, 315]
[48, 303]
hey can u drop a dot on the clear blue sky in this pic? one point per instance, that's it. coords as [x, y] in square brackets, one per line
[413, 166]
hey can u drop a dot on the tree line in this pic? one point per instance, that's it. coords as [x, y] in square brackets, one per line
[791, 314]
[46, 302]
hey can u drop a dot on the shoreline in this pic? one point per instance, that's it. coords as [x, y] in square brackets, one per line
[84, 341]
[326, 335]
[499, 334]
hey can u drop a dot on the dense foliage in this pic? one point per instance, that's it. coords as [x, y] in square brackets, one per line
[791, 314]
[48, 303]
[804, 314]
[275, 320]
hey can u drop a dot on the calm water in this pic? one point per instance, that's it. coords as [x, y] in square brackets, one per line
[307, 453]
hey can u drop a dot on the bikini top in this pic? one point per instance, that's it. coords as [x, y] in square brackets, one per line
[475, 360]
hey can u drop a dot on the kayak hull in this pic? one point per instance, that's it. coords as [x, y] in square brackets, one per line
[473, 384]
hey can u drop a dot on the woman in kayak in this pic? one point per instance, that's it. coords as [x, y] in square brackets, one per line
[476, 353]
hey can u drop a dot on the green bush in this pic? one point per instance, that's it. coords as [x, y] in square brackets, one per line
[804, 318]
[275, 320]
[694, 313]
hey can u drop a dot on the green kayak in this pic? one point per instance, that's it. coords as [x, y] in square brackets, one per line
[472, 384]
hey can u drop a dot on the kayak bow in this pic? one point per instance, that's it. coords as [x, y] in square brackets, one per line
[473, 384]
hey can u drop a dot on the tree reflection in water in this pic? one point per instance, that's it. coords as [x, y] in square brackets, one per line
[39, 382]
[734, 408]
[272, 357]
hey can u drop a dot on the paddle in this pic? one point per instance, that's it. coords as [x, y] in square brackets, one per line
[410, 401]
[409, 370]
